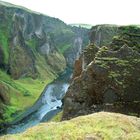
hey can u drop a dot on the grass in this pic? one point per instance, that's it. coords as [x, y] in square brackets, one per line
[63, 48]
[57, 118]
[32, 43]
[5, 29]
[23, 93]
[4, 44]
[99, 126]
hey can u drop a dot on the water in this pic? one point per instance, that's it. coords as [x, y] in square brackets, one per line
[48, 105]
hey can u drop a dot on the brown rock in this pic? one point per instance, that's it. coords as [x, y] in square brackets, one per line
[77, 68]
[109, 82]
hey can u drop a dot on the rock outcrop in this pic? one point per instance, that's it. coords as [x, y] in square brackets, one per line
[101, 35]
[110, 79]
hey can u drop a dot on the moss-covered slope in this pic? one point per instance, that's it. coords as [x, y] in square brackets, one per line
[98, 126]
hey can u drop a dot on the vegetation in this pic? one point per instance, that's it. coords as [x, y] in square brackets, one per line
[57, 118]
[107, 126]
[22, 93]
[32, 43]
[63, 48]
[4, 44]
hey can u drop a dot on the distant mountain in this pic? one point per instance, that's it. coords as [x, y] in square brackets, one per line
[88, 26]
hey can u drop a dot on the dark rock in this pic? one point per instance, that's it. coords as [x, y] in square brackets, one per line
[109, 82]
[101, 35]
[77, 68]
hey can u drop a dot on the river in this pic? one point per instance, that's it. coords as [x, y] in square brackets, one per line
[46, 107]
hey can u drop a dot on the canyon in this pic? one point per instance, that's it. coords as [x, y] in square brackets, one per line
[67, 82]
[34, 50]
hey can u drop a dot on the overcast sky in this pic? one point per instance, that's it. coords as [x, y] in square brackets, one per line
[87, 11]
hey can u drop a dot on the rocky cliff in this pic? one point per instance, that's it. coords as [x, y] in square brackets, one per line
[34, 50]
[101, 35]
[27, 33]
[109, 78]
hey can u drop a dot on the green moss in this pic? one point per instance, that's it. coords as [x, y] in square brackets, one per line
[136, 61]
[129, 29]
[9, 111]
[107, 58]
[127, 35]
[107, 126]
[4, 44]
[113, 74]
[57, 118]
[5, 28]
[44, 68]
[63, 48]
[32, 43]
[116, 76]
[123, 63]
[57, 62]
[101, 64]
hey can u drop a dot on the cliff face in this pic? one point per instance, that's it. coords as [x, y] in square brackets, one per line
[34, 49]
[79, 42]
[27, 33]
[109, 79]
[101, 35]
[22, 38]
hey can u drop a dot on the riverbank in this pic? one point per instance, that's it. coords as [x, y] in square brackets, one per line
[48, 105]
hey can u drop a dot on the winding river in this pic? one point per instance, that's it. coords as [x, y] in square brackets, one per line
[46, 107]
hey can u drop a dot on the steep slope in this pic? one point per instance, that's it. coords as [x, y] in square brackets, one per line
[109, 79]
[101, 35]
[32, 54]
[98, 126]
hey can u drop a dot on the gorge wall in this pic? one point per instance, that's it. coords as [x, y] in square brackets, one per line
[34, 50]
[109, 77]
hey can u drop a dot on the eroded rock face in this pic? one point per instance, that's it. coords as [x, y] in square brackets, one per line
[101, 35]
[80, 41]
[110, 82]
[76, 51]
[77, 68]
[29, 34]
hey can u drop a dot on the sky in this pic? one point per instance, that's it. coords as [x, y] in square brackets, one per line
[121, 12]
